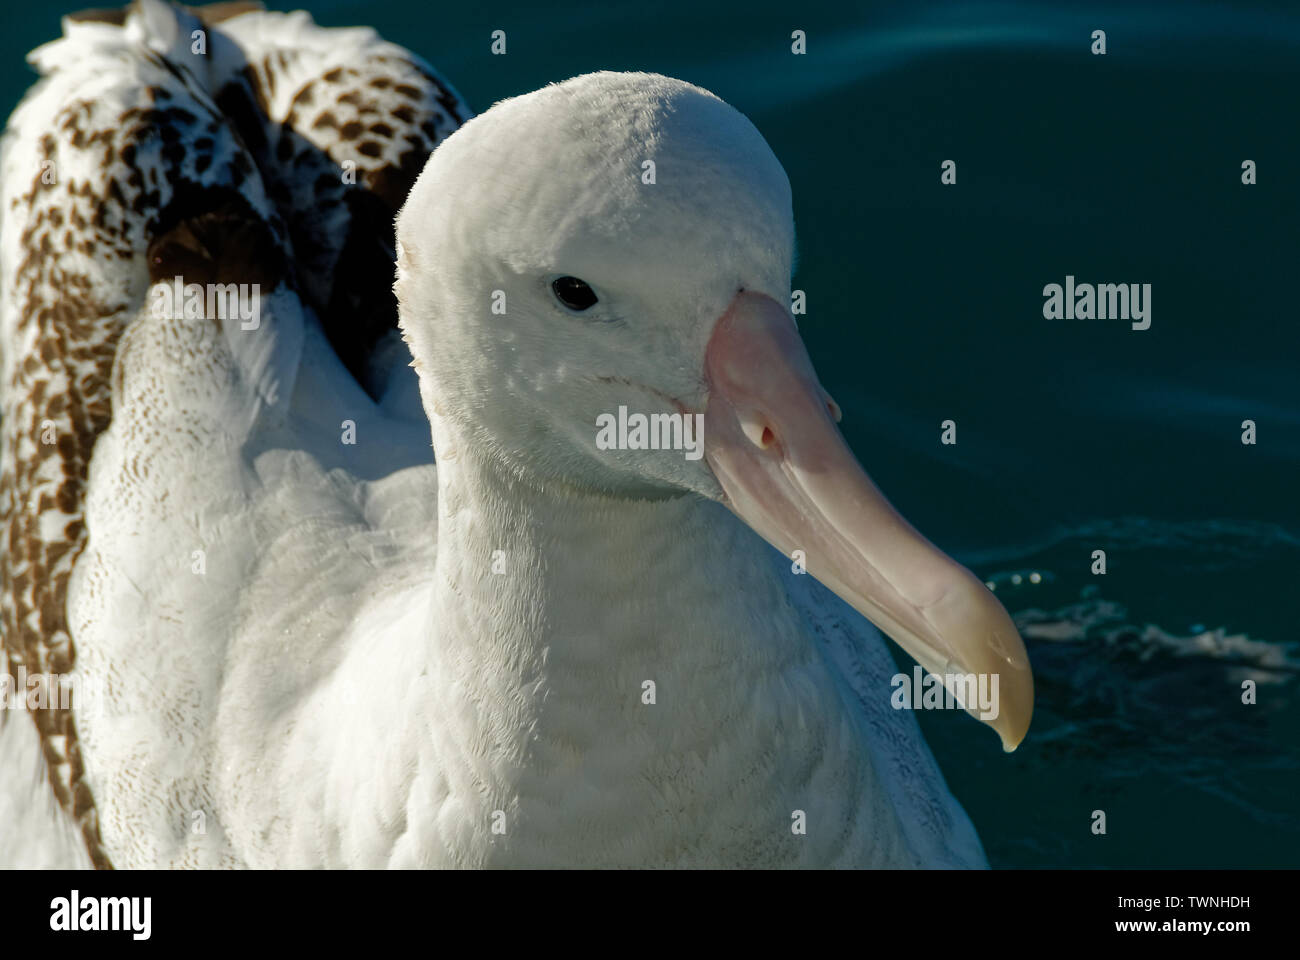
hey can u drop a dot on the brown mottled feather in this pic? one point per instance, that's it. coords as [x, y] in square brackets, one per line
[127, 203]
[160, 177]
[310, 116]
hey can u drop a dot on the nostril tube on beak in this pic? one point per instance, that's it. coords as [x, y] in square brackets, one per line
[832, 407]
[759, 433]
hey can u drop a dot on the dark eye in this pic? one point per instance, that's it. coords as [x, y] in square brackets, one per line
[573, 293]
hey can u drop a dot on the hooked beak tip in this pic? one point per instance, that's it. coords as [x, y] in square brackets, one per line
[785, 470]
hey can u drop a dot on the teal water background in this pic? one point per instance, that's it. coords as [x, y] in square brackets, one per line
[925, 304]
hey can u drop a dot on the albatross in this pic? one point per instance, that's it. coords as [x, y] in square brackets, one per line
[343, 578]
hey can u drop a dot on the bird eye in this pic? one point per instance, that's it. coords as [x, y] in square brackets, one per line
[573, 293]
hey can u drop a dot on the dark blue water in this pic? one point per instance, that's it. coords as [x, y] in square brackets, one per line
[926, 304]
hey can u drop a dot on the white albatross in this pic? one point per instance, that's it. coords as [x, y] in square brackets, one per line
[299, 643]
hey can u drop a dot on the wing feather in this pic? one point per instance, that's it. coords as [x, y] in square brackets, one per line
[118, 170]
[341, 123]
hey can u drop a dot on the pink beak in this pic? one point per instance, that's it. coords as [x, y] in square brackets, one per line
[786, 471]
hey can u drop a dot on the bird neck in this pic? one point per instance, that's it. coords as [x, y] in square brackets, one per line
[565, 581]
[587, 643]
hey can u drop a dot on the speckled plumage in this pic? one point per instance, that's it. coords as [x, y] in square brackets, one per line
[330, 652]
[311, 104]
[134, 159]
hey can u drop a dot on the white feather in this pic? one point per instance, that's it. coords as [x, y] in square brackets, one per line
[322, 654]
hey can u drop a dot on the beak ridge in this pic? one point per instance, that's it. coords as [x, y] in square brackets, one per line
[770, 439]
